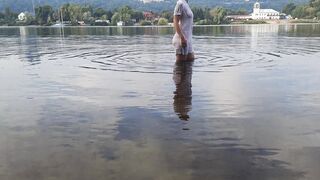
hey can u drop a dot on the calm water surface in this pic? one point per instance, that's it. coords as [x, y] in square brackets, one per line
[111, 103]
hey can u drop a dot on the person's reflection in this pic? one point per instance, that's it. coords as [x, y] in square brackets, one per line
[182, 76]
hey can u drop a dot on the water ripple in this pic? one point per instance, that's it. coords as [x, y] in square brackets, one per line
[154, 54]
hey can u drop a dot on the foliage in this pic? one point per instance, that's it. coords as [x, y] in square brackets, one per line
[125, 14]
[44, 15]
[163, 22]
[145, 23]
[137, 15]
[167, 15]
[115, 18]
[240, 11]
[198, 13]
[299, 12]
[309, 11]
[26, 5]
[289, 8]
[98, 13]
[73, 13]
[203, 22]
[218, 15]
[255, 22]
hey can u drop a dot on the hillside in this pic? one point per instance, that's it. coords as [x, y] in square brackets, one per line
[26, 5]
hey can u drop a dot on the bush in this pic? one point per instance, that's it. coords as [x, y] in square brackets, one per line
[203, 22]
[163, 22]
[145, 23]
[255, 22]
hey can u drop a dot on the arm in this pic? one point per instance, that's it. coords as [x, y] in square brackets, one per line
[177, 27]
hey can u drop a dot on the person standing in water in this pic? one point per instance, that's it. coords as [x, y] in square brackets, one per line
[183, 24]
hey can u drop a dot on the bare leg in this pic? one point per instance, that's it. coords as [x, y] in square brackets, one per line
[181, 58]
[190, 57]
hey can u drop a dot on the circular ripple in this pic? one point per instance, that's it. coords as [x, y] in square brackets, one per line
[155, 54]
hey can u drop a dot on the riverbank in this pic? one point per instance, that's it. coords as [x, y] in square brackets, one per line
[282, 21]
[253, 22]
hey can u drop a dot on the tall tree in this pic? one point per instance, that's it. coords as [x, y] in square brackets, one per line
[98, 13]
[125, 14]
[289, 8]
[44, 15]
[218, 15]
[299, 12]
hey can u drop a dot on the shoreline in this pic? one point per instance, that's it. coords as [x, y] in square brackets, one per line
[155, 26]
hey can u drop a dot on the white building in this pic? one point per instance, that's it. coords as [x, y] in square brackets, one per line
[259, 13]
[120, 23]
[22, 16]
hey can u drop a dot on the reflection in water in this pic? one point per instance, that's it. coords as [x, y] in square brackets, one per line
[182, 77]
[59, 121]
[29, 50]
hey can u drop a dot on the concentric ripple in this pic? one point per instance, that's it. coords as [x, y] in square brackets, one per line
[253, 47]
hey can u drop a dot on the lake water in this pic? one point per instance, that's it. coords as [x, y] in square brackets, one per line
[103, 103]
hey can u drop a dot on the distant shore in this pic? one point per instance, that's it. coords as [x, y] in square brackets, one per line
[273, 22]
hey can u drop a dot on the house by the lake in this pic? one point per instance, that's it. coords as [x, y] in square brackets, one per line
[264, 14]
[258, 14]
[120, 23]
[22, 16]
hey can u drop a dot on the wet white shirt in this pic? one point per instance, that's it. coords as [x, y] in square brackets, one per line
[186, 24]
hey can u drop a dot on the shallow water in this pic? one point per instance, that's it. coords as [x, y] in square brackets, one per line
[111, 103]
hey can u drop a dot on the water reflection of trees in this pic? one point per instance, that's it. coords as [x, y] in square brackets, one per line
[29, 50]
[182, 77]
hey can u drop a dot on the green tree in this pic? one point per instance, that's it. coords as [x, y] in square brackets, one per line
[30, 19]
[167, 15]
[109, 14]
[98, 13]
[125, 14]
[218, 15]
[44, 15]
[299, 12]
[206, 12]
[137, 15]
[315, 3]
[87, 18]
[75, 13]
[311, 12]
[163, 22]
[65, 12]
[115, 18]
[8, 12]
[198, 13]
[242, 11]
[203, 22]
[2, 15]
[104, 17]
[289, 8]
[87, 9]
[145, 23]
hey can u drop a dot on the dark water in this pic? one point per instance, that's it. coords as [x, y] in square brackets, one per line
[111, 103]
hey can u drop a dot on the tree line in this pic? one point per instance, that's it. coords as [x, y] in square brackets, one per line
[306, 11]
[74, 13]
